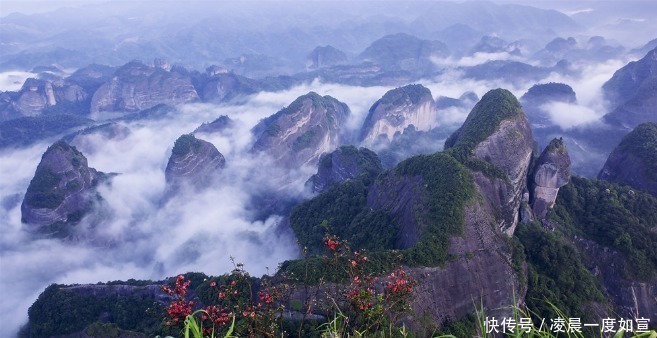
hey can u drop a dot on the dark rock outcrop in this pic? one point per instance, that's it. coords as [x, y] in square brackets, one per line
[496, 142]
[398, 109]
[193, 163]
[300, 133]
[632, 298]
[325, 56]
[466, 100]
[404, 52]
[344, 163]
[634, 161]
[222, 123]
[222, 87]
[136, 86]
[632, 93]
[541, 94]
[62, 190]
[552, 172]
[494, 44]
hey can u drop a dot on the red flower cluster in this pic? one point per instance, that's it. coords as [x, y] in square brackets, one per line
[400, 284]
[332, 242]
[180, 308]
[265, 297]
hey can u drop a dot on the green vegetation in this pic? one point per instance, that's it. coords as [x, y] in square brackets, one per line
[306, 139]
[556, 273]
[44, 190]
[27, 130]
[63, 311]
[642, 143]
[556, 146]
[494, 107]
[447, 186]
[184, 144]
[548, 91]
[613, 216]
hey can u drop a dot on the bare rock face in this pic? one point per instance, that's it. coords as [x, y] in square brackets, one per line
[496, 142]
[551, 173]
[325, 56]
[634, 161]
[62, 190]
[136, 86]
[480, 268]
[193, 163]
[224, 86]
[632, 93]
[300, 133]
[398, 109]
[344, 163]
[34, 97]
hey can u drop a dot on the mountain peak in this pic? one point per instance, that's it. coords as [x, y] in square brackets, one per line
[634, 161]
[60, 192]
[398, 109]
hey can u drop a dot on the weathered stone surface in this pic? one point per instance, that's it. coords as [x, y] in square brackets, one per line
[497, 132]
[508, 149]
[136, 86]
[632, 93]
[300, 133]
[193, 163]
[62, 189]
[480, 273]
[344, 163]
[552, 172]
[398, 109]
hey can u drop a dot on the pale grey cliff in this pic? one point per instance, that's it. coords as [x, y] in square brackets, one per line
[496, 142]
[552, 172]
[194, 163]
[300, 133]
[137, 86]
[398, 109]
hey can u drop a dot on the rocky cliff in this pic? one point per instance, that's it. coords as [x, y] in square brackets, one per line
[404, 52]
[136, 86]
[632, 93]
[193, 163]
[300, 133]
[634, 161]
[496, 142]
[552, 172]
[541, 94]
[62, 190]
[325, 56]
[219, 125]
[342, 164]
[398, 109]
